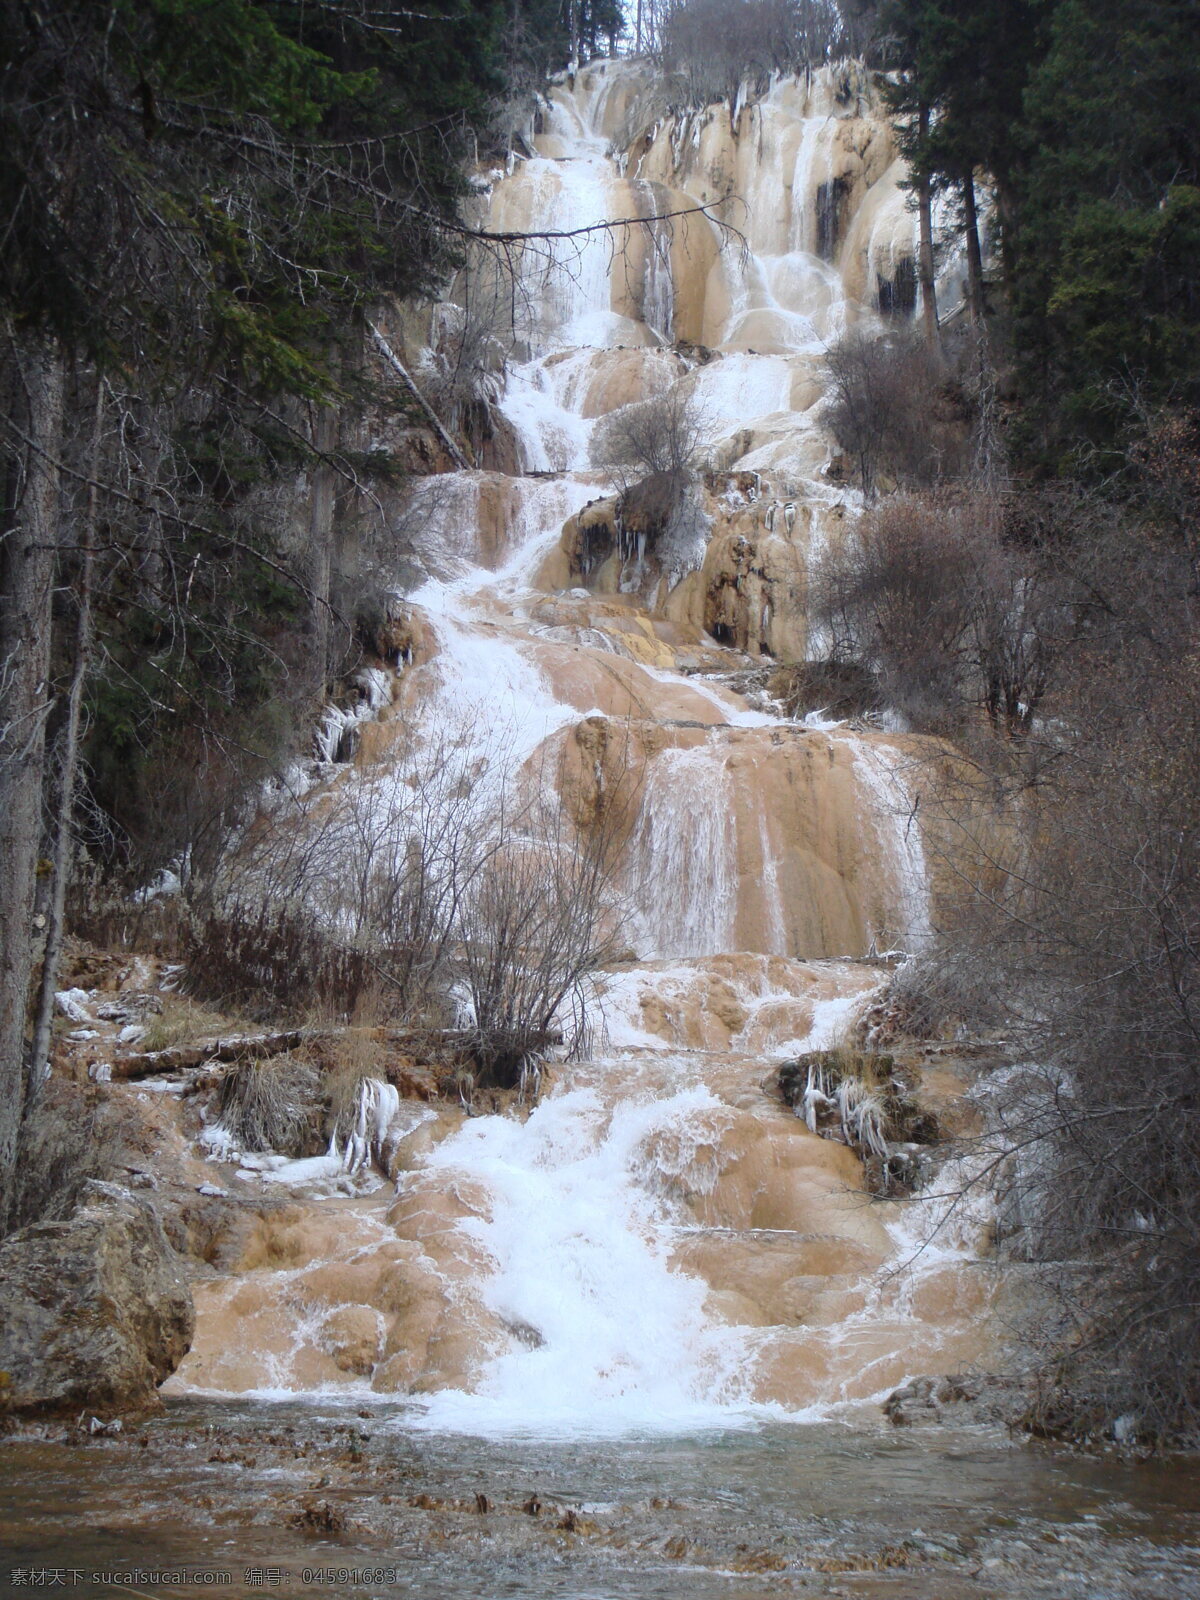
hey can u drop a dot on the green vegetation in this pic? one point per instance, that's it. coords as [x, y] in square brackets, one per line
[1080, 117]
[1030, 593]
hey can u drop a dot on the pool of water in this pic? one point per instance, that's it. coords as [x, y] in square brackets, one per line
[244, 1498]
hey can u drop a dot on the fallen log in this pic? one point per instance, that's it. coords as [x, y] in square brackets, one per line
[179, 1058]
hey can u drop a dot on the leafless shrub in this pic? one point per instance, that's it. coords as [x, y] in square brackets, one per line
[651, 451]
[472, 346]
[331, 899]
[949, 613]
[261, 957]
[835, 688]
[447, 891]
[1085, 940]
[535, 923]
[898, 413]
[942, 994]
[660, 438]
[270, 1105]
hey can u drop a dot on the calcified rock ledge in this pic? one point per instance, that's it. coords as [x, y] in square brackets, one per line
[735, 1238]
[660, 1242]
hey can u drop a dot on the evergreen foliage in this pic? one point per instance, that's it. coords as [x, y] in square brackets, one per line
[1107, 292]
[200, 200]
[1082, 118]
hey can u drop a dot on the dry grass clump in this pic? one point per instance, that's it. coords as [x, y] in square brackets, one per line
[349, 1056]
[181, 1022]
[271, 1105]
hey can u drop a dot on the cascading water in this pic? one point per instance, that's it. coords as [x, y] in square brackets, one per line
[659, 1243]
[603, 1333]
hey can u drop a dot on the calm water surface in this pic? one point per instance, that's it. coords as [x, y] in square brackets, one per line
[245, 1498]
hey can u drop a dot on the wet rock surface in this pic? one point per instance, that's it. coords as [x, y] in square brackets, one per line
[960, 1399]
[96, 1310]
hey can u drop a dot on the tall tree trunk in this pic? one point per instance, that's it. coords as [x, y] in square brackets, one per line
[974, 254]
[320, 537]
[65, 809]
[925, 267]
[27, 559]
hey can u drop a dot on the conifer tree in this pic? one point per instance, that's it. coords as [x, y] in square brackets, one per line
[961, 71]
[1108, 292]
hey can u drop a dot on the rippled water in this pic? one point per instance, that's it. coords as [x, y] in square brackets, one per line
[854, 1509]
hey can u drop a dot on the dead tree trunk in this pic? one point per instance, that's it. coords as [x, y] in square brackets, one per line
[406, 378]
[28, 548]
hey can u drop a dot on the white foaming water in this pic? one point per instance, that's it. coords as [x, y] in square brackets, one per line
[831, 1019]
[685, 864]
[487, 692]
[607, 1338]
[552, 438]
[731, 713]
[736, 390]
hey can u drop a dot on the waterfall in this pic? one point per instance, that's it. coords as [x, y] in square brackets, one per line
[686, 864]
[660, 1243]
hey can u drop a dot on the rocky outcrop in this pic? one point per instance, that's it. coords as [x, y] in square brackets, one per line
[96, 1310]
[963, 1400]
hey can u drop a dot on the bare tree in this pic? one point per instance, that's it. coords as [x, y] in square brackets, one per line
[62, 832]
[1075, 944]
[896, 411]
[29, 542]
[713, 47]
[950, 613]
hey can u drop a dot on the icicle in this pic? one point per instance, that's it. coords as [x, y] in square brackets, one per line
[376, 1109]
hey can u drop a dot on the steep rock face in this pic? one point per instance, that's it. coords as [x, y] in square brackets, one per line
[808, 170]
[749, 590]
[96, 1311]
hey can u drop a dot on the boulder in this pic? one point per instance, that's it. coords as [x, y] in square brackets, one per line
[95, 1310]
[963, 1400]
